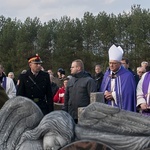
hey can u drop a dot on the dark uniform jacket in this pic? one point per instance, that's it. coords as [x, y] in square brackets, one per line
[40, 91]
[78, 92]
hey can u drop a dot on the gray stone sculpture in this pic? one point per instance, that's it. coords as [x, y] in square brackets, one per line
[55, 130]
[120, 129]
[17, 116]
[23, 127]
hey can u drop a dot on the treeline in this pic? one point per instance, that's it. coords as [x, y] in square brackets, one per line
[58, 42]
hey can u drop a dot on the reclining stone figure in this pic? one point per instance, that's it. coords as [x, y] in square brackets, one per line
[55, 131]
[23, 127]
[120, 129]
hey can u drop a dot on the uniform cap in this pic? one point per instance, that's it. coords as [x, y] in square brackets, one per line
[35, 59]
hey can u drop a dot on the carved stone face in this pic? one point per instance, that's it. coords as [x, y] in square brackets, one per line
[53, 141]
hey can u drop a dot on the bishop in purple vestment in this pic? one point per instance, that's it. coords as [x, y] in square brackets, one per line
[118, 84]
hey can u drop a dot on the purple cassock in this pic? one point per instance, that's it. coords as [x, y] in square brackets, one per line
[125, 88]
[145, 86]
[146, 83]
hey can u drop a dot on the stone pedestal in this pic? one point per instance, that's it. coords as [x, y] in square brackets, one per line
[97, 97]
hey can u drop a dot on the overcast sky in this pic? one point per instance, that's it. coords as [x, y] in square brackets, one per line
[46, 10]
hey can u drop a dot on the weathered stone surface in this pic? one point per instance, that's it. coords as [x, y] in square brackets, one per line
[80, 111]
[97, 97]
[57, 123]
[17, 116]
[120, 129]
[23, 127]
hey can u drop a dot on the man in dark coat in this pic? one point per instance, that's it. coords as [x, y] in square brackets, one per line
[78, 89]
[98, 77]
[35, 84]
[125, 63]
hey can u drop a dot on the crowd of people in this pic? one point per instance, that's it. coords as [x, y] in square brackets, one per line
[122, 87]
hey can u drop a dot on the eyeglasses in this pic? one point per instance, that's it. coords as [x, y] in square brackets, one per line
[141, 72]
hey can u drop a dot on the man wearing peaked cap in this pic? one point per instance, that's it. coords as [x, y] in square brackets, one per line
[35, 84]
[118, 84]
